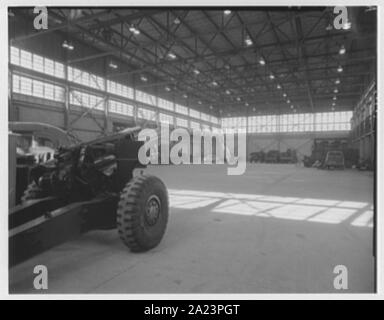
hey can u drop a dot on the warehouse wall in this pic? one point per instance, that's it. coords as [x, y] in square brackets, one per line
[301, 142]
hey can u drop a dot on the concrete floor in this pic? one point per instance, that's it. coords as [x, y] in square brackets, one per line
[276, 229]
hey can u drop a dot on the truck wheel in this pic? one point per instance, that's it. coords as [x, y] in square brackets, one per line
[142, 213]
[32, 192]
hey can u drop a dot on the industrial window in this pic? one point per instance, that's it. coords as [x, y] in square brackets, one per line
[25, 59]
[234, 123]
[180, 122]
[165, 104]
[165, 118]
[86, 100]
[15, 56]
[36, 88]
[181, 109]
[146, 114]
[85, 78]
[37, 63]
[119, 89]
[195, 125]
[204, 116]
[194, 113]
[297, 122]
[145, 98]
[121, 108]
[214, 120]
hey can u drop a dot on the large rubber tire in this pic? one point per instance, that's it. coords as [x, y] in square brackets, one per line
[142, 213]
[32, 192]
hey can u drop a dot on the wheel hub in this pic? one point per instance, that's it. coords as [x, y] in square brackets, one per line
[152, 210]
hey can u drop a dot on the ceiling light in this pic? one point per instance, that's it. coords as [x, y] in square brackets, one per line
[340, 69]
[112, 65]
[337, 81]
[278, 86]
[214, 83]
[171, 55]
[227, 92]
[227, 12]
[247, 104]
[199, 102]
[271, 76]
[185, 96]
[143, 78]
[176, 21]
[262, 61]
[167, 89]
[134, 30]
[336, 91]
[333, 104]
[196, 71]
[284, 95]
[253, 109]
[248, 41]
[238, 99]
[288, 101]
[342, 50]
[211, 107]
[68, 45]
[334, 98]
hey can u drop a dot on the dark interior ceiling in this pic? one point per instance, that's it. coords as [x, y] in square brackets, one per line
[212, 57]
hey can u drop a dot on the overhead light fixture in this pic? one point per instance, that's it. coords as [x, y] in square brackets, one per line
[185, 96]
[333, 104]
[68, 45]
[261, 61]
[347, 26]
[248, 41]
[288, 101]
[134, 30]
[199, 102]
[253, 109]
[271, 76]
[171, 55]
[278, 86]
[247, 104]
[211, 107]
[342, 50]
[336, 91]
[238, 99]
[334, 98]
[176, 21]
[340, 69]
[143, 78]
[337, 81]
[227, 12]
[196, 71]
[112, 65]
[227, 92]
[214, 83]
[292, 106]
[284, 95]
[167, 89]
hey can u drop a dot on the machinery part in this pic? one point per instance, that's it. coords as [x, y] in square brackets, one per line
[32, 192]
[142, 213]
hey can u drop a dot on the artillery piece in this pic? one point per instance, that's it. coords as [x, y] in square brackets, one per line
[90, 186]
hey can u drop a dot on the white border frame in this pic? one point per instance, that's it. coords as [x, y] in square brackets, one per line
[175, 3]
